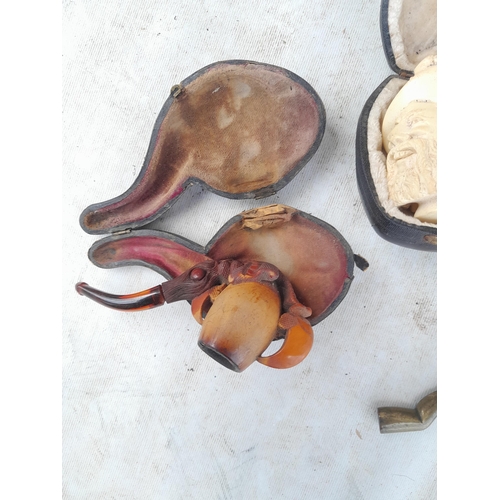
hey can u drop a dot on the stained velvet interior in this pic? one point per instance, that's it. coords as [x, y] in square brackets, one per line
[237, 127]
[169, 257]
[310, 255]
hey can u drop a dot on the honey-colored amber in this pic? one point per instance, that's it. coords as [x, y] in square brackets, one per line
[139, 301]
[298, 343]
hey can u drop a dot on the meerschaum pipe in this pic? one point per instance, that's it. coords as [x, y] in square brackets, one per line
[255, 293]
[267, 250]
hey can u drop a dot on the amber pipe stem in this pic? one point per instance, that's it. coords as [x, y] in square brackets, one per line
[147, 299]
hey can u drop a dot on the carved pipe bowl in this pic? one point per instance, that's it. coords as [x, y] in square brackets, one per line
[406, 42]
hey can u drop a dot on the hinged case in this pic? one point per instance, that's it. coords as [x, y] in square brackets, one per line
[242, 129]
[409, 35]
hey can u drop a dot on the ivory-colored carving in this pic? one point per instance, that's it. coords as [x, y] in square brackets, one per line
[410, 139]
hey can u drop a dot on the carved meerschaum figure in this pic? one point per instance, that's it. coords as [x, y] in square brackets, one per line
[409, 133]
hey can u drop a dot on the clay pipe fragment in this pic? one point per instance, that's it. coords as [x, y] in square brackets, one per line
[393, 419]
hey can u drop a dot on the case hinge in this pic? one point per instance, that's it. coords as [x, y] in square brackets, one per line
[123, 231]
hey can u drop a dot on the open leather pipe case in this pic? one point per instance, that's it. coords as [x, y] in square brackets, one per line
[270, 273]
[396, 137]
[244, 130]
[240, 128]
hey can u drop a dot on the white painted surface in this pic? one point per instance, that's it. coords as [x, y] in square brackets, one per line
[146, 414]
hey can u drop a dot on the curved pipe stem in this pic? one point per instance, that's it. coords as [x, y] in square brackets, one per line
[147, 299]
[393, 419]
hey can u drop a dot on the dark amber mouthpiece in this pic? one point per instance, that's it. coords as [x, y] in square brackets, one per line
[139, 301]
